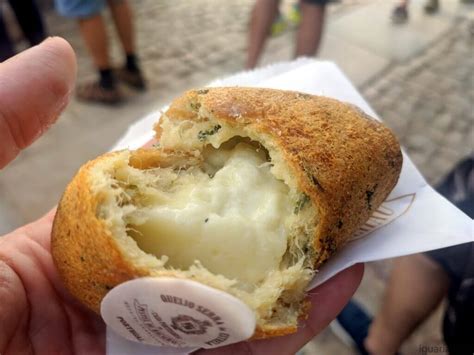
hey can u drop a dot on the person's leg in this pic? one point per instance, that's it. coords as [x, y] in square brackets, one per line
[417, 285]
[122, 16]
[310, 30]
[419, 282]
[6, 45]
[400, 12]
[29, 18]
[123, 20]
[93, 32]
[263, 13]
[94, 35]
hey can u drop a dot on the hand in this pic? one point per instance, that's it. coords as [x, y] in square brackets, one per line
[37, 315]
[327, 300]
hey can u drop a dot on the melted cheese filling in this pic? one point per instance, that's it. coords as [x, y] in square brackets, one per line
[230, 216]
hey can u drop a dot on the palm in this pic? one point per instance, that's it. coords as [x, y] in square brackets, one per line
[36, 313]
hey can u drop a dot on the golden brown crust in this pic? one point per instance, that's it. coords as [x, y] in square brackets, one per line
[273, 331]
[87, 258]
[343, 159]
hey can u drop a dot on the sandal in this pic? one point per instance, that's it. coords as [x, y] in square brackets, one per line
[134, 79]
[94, 92]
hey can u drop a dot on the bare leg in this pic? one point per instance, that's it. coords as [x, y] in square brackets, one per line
[122, 15]
[310, 30]
[94, 35]
[263, 15]
[104, 90]
[130, 74]
[416, 287]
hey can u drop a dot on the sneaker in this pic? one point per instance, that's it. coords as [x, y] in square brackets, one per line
[94, 92]
[399, 15]
[352, 326]
[432, 6]
[133, 79]
[279, 26]
[294, 15]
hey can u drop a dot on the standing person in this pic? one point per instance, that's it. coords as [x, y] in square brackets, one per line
[31, 24]
[93, 31]
[309, 32]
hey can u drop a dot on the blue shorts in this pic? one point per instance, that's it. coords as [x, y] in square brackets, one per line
[79, 8]
[316, 2]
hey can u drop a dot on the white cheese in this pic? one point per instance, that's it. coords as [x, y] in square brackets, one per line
[232, 222]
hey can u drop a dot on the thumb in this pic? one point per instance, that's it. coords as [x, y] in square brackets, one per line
[34, 89]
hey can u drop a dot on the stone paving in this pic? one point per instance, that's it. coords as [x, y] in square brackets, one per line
[428, 102]
[424, 92]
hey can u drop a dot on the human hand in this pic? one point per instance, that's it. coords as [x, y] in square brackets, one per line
[327, 300]
[37, 315]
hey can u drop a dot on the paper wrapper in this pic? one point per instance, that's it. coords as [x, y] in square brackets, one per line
[413, 219]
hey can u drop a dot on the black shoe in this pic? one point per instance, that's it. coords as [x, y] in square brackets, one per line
[94, 92]
[133, 79]
[432, 6]
[400, 15]
[352, 326]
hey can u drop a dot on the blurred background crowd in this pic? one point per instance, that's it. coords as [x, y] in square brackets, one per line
[411, 60]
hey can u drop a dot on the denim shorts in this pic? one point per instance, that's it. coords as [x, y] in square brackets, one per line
[79, 8]
[316, 2]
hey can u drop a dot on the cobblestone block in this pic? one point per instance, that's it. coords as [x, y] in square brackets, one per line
[454, 138]
[461, 125]
[443, 121]
[426, 79]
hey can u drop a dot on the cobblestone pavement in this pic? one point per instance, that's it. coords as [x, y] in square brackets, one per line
[427, 100]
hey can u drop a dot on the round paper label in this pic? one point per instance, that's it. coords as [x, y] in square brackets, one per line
[174, 312]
